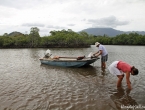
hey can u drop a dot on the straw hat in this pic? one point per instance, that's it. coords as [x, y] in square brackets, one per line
[97, 43]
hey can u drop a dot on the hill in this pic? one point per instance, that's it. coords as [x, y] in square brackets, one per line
[109, 31]
[15, 33]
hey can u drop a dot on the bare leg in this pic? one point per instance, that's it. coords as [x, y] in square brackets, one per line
[103, 65]
[120, 78]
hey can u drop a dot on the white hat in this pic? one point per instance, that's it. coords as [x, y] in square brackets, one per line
[97, 43]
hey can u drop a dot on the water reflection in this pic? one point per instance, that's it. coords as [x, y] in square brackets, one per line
[85, 71]
[122, 97]
[25, 84]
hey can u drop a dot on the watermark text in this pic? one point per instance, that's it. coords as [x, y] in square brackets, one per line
[133, 107]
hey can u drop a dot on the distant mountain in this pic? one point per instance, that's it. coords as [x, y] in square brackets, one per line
[15, 33]
[109, 31]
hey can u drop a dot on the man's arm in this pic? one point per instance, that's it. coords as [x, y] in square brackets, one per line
[98, 53]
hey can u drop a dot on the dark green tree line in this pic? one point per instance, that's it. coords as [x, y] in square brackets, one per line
[66, 38]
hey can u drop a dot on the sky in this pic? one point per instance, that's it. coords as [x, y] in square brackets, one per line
[54, 15]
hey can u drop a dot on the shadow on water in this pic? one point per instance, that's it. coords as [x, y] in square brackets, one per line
[91, 74]
[121, 98]
[85, 71]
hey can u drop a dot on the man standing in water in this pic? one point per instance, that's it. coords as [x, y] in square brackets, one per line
[104, 54]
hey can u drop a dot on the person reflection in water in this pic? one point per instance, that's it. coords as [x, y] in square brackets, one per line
[122, 98]
[118, 68]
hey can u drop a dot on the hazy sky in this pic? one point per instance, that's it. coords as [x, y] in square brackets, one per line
[49, 15]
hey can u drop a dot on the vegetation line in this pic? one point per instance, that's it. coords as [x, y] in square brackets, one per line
[66, 38]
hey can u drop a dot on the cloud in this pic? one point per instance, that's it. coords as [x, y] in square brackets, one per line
[47, 15]
[6, 13]
[20, 4]
[110, 21]
[24, 4]
[71, 24]
[55, 27]
[33, 24]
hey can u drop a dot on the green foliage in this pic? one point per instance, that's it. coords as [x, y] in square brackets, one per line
[8, 42]
[21, 41]
[1, 41]
[34, 37]
[129, 39]
[66, 38]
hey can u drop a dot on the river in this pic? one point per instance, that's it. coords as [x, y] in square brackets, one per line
[26, 84]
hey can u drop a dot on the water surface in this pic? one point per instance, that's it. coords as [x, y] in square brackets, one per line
[26, 84]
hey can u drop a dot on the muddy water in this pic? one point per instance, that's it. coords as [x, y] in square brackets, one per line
[26, 84]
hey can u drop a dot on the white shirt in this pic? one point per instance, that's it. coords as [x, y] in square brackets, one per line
[104, 51]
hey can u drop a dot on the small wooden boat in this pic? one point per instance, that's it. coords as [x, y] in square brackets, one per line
[69, 61]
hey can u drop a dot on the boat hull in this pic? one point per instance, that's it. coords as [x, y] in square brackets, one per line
[68, 62]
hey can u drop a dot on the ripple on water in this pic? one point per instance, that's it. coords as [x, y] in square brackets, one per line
[25, 84]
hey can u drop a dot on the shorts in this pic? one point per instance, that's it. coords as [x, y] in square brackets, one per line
[114, 70]
[104, 58]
